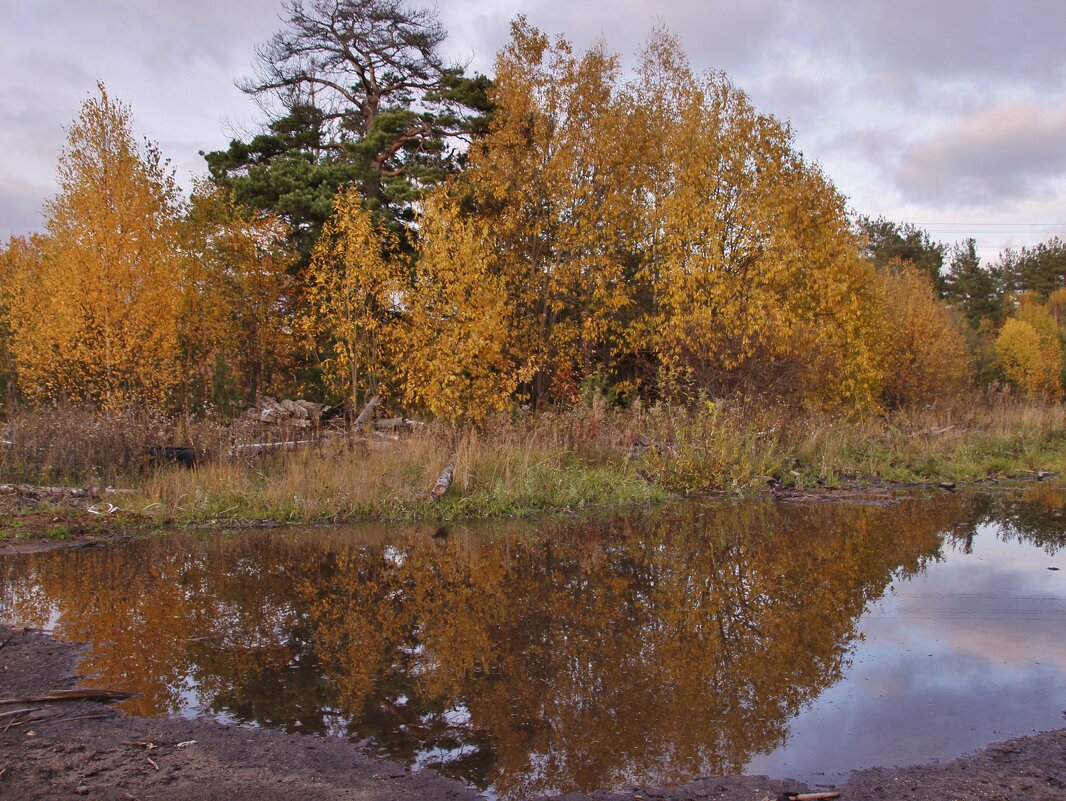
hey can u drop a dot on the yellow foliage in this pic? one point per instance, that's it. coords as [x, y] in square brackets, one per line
[1039, 316]
[236, 295]
[664, 221]
[553, 177]
[96, 316]
[1056, 307]
[353, 284]
[1031, 361]
[456, 341]
[755, 259]
[924, 353]
[18, 264]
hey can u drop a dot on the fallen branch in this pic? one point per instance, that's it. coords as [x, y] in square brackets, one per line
[71, 695]
[385, 423]
[97, 716]
[265, 447]
[20, 711]
[368, 411]
[444, 480]
[931, 432]
[29, 720]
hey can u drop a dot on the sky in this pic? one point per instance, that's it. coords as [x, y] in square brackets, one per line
[949, 114]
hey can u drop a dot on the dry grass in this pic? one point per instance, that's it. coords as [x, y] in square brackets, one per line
[65, 445]
[554, 460]
[581, 456]
[732, 446]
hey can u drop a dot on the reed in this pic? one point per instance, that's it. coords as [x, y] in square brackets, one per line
[592, 454]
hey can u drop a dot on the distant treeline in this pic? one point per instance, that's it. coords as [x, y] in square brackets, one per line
[461, 245]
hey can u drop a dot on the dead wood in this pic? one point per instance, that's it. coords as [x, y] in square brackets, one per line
[20, 711]
[71, 695]
[368, 411]
[397, 422]
[267, 447]
[444, 481]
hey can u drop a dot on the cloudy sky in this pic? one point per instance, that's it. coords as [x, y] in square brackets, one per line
[948, 114]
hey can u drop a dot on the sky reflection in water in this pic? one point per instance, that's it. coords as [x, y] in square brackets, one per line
[651, 647]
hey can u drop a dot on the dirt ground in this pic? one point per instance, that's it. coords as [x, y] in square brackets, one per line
[87, 749]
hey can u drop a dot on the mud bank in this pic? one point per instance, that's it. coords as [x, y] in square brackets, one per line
[87, 749]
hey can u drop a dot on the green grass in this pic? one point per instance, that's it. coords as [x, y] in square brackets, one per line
[595, 455]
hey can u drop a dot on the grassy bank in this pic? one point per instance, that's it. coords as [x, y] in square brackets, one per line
[589, 455]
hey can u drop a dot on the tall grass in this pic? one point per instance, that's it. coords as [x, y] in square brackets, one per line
[591, 454]
[733, 446]
[553, 460]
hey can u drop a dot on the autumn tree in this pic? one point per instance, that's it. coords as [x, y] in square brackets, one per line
[456, 346]
[924, 353]
[662, 231]
[353, 285]
[759, 275]
[1030, 351]
[19, 261]
[548, 178]
[236, 327]
[1056, 307]
[98, 319]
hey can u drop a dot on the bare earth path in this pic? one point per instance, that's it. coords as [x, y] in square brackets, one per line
[73, 749]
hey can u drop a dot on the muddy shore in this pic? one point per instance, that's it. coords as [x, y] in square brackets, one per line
[88, 749]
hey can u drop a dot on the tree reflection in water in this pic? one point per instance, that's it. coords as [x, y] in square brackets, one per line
[649, 647]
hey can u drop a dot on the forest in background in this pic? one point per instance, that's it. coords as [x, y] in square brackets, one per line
[461, 245]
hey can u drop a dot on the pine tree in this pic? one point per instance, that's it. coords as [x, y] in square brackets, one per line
[972, 287]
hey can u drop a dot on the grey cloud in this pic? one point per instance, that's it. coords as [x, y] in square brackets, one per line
[852, 76]
[948, 37]
[878, 146]
[221, 33]
[1004, 153]
[800, 99]
[20, 207]
[725, 34]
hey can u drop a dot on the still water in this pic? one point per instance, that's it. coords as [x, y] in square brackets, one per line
[546, 656]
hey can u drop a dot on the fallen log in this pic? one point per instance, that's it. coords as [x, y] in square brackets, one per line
[71, 695]
[385, 423]
[444, 480]
[266, 447]
[368, 411]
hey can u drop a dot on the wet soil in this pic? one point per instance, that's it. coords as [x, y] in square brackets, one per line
[35, 519]
[38, 519]
[88, 749]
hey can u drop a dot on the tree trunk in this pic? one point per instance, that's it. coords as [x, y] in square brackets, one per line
[368, 412]
[444, 481]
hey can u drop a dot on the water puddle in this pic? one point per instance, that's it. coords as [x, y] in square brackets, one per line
[651, 647]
